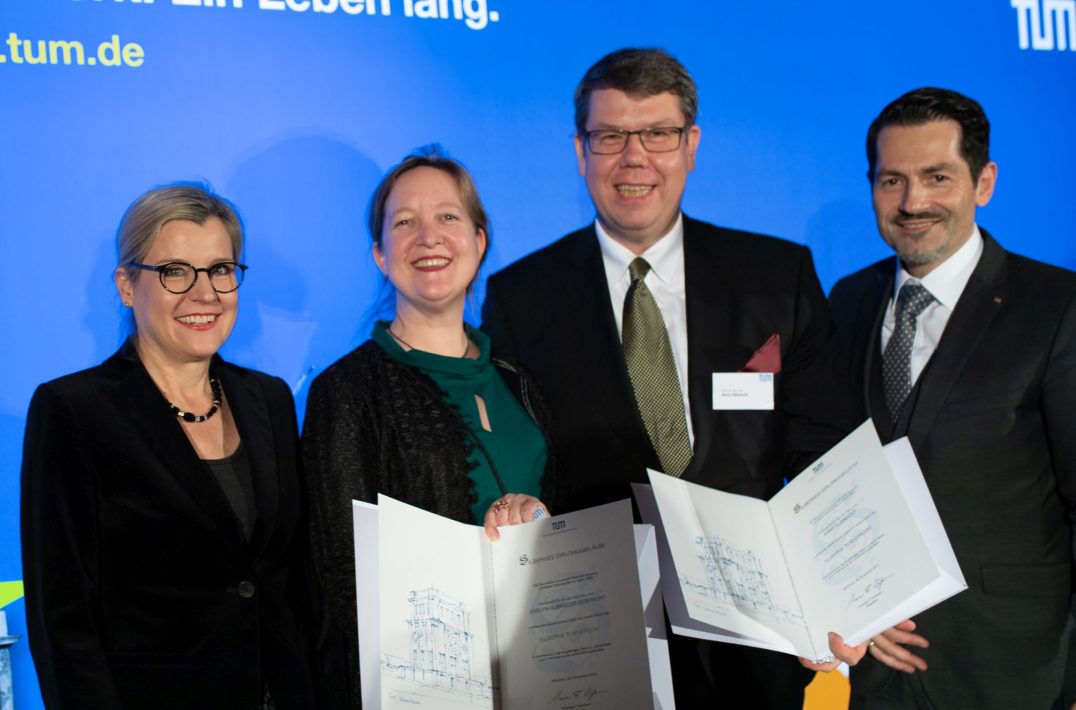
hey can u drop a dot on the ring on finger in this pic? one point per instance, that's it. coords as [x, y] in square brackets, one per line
[500, 505]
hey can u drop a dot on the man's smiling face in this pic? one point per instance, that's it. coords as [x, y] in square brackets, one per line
[636, 193]
[924, 193]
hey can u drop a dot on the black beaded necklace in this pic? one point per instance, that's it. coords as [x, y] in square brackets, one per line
[218, 396]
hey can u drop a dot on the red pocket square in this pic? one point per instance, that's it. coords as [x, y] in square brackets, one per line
[767, 358]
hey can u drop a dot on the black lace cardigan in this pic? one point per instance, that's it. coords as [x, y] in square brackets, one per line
[374, 424]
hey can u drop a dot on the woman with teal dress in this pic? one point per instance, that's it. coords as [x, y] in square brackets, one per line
[423, 411]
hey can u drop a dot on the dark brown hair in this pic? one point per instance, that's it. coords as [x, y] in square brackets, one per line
[638, 72]
[927, 104]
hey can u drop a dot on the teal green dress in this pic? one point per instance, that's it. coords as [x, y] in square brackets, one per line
[513, 441]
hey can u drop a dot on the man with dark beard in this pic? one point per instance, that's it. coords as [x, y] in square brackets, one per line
[970, 352]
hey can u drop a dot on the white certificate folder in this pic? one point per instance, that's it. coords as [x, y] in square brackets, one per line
[853, 544]
[549, 616]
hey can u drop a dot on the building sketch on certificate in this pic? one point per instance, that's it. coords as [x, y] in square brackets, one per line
[439, 665]
[735, 575]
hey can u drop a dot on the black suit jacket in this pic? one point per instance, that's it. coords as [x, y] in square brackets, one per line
[141, 589]
[992, 420]
[552, 311]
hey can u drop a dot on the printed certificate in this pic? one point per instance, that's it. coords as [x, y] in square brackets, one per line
[853, 544]
[549, 616]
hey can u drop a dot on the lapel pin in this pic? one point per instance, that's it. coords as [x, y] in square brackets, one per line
[997, 299]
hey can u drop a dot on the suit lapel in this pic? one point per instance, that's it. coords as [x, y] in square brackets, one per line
[252, 419]
[980, 302]
[587, 290]
[868, 329]
[162, 433]
[708, 281]
[590, 300]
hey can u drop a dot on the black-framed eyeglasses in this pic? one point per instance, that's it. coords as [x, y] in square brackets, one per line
[660, 139]
[180, 277]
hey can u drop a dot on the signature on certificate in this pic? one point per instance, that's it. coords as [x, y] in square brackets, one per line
[582, 696]
[865, 595]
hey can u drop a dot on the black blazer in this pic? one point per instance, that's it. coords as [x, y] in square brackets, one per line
[992, 421]
[376, 425]
[141, 590]
[552, 311]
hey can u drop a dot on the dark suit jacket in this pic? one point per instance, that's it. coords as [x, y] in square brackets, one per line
[141, 590]
[552, 311]
[992, 421]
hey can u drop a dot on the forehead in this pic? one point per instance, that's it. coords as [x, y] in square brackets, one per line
[908, 148]
[617, 109]
[189, 241]
[424, 183]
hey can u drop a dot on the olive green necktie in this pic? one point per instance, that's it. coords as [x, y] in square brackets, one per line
[652, 370]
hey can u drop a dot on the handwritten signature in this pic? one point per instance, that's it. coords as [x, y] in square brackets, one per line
[582, 694]
[868, 592]
[405, 699]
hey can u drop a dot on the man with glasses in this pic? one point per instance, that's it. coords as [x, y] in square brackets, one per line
[627, 321]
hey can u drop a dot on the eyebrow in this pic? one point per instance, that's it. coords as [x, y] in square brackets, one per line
[660, 123]
[178, 260]
[438, 206]
[928, 170]
[938, 167]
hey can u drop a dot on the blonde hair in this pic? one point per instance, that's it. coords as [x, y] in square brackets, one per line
[143, 220]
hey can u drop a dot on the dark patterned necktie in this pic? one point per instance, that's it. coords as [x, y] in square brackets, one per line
[897, 359]
[652, 370]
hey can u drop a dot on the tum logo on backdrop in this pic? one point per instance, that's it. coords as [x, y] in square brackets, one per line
[1046, 24]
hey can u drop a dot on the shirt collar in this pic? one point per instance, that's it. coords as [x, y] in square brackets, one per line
[947, 281]
[665, 256]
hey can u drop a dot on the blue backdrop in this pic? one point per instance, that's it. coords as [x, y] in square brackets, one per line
[294, 108]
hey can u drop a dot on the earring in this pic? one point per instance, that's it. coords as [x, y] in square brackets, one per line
[127, 303]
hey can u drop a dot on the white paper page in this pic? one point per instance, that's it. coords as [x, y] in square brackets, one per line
[909, 477]
[853, 546]
[657, 644]
[435, 640]
[950, 581]
[569, 612]
[680, 620]
[365, 528]
[728, 561]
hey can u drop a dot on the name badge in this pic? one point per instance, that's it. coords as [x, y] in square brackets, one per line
[743, 390]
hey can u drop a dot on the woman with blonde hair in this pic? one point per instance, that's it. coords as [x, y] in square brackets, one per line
[423, 411]
[164, 547]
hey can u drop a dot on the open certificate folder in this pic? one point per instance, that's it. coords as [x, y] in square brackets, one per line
[853, 545]
[549, 616]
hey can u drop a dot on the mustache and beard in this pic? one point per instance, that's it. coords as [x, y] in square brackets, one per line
[911, 254]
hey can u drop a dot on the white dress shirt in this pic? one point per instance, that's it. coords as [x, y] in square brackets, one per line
[946, 282]
[666, 283]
